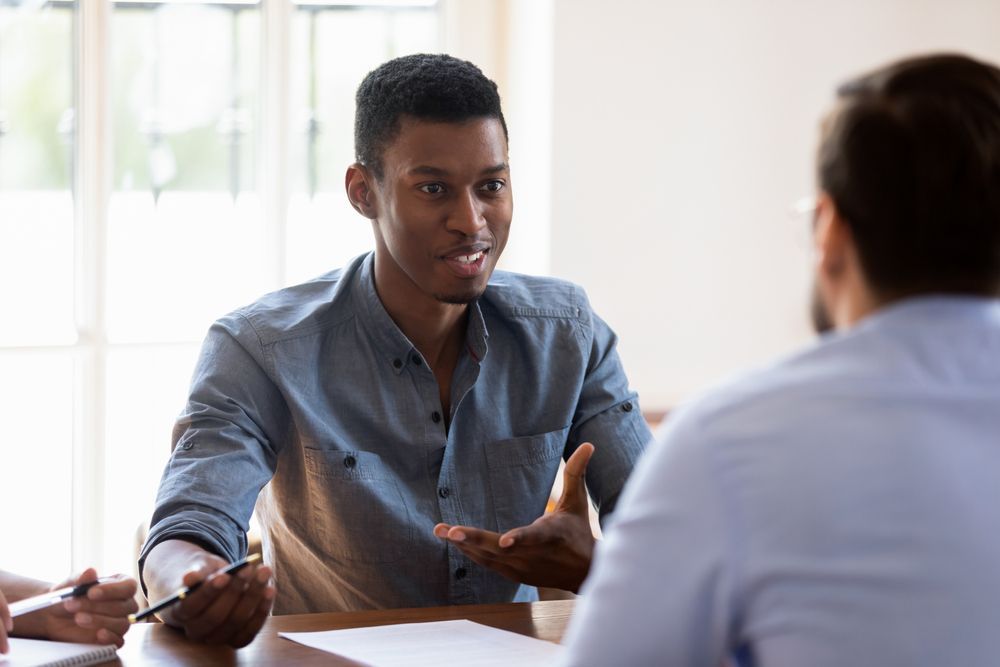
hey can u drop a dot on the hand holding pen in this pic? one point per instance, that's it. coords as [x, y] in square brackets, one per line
[81, 609]
[186, 592]
[218, 607]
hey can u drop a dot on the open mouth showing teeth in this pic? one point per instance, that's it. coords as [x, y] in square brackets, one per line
[469, 259]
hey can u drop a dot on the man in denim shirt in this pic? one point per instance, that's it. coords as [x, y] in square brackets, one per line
[405, 416]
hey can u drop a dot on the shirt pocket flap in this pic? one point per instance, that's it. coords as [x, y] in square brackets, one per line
[527, 450]
[341, 464]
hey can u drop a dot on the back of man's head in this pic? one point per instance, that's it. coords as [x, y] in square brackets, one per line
[911, 158]
[434, 88]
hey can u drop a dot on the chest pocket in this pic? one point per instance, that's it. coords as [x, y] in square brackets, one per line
[358, 511]
[522, 471]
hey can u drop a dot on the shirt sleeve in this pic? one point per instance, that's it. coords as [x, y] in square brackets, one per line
[660, 589]
[224, 446]
[607, 415]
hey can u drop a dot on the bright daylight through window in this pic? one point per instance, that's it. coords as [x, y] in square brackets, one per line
[219, 132]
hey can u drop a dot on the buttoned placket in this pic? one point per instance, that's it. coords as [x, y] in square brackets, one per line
[449, 502]
[462, 584]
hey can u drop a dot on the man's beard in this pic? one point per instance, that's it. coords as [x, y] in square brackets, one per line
[821, 320]
[459, 299]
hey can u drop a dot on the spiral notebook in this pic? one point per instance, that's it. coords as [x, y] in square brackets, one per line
[39, 653]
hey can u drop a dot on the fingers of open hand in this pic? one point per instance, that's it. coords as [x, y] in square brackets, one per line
[474, 537]
[576, 465]
[467, 536]
[574, 495]
[504, 566]
[441, 530]
[545, 531]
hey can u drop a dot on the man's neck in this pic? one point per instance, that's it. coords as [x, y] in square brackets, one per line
[436, 328]
[437, 332]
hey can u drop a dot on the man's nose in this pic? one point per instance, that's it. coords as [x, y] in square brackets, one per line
[467, 215]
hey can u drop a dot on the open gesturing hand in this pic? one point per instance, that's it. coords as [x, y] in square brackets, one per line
[554, 550]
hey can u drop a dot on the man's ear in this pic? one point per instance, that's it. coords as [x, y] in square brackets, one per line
[359, 183]
[832, 238]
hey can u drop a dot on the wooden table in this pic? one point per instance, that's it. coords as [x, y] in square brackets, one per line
[157, 644]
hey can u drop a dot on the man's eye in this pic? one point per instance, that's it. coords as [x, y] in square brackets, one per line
[493, 186]
[432, 188]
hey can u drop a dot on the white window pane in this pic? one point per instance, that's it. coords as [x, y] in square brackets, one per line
[324, 233]
[36, 89]
[36, 463]
[332, 51]
[175, 267]
[36, 268]
[147, 388]
[184, 117]
[36, 148]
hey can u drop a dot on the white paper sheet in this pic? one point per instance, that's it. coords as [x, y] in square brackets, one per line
[432, 645]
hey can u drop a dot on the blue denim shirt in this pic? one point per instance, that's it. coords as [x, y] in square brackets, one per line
[314, 406]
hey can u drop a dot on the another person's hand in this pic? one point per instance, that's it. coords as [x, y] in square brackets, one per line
[6, 624]
[99, 617]
[554, 551]
[226, 609]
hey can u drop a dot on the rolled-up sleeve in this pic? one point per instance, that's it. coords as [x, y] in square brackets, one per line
[224, 445]
[607, 414]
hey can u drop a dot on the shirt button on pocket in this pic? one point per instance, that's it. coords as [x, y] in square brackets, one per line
[627, 407]
[350, 461]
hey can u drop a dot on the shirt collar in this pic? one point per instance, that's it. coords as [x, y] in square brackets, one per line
[934, 308]
[395, 347]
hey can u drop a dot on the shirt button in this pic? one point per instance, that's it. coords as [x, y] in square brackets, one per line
[627, 407]
[416, 359]
[350, 461]
[187, 445]
[398, 363]
[444, 492]
[460, 573]
[435, 416]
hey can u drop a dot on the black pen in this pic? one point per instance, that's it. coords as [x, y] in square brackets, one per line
[188, 590]
[37, 602]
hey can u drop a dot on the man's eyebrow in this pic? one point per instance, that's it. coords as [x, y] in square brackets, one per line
[496, 169]
[427, 170]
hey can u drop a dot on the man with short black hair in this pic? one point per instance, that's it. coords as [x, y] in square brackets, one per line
[406, 415]
[839, 507]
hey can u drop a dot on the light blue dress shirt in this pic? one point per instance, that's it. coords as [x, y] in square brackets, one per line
[315, 396]
[839, 508]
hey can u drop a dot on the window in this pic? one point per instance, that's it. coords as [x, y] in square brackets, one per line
[161, 163]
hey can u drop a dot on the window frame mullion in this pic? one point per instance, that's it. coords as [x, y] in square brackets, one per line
[273, 133]
[92, 180]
